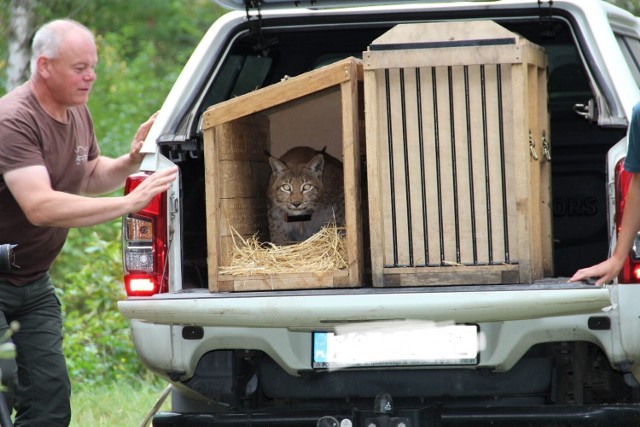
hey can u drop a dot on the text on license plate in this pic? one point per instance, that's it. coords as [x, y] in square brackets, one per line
[397, 344]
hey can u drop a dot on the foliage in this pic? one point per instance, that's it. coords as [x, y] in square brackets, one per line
[632, 6]
[114, 404]
[126, 92]
[97, 339]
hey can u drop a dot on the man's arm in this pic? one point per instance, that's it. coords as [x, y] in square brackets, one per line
[44, 206]
[105, 174]
[610, 268]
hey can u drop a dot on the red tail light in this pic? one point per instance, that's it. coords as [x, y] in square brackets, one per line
[144, 244]
[631, 271]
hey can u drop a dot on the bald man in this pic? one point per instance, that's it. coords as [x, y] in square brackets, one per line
[50, 167]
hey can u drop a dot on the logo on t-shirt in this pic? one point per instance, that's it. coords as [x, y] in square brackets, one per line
[81, 155]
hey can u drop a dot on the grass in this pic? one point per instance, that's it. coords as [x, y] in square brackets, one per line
[114, 405]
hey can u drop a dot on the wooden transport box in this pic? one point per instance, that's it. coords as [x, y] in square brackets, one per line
[319, 108]
[458, 156]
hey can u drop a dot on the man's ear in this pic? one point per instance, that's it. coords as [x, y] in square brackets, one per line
[42, 66]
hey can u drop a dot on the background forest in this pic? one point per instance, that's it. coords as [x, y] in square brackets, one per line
[142, 46]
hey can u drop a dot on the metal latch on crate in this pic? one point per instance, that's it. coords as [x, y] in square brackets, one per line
[546, 148]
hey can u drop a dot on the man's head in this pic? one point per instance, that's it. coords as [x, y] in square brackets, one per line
[63, 61]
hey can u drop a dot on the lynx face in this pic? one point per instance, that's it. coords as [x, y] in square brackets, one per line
[305, 192]
[297, 190]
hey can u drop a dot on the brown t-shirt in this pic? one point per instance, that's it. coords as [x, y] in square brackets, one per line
[29, 137]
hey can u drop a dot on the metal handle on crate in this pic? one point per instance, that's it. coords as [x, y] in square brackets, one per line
[532, 147]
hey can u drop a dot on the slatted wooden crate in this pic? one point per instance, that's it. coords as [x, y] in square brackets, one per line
[457, 156]
[320, 108]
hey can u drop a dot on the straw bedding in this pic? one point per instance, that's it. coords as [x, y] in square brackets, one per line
[324, 251]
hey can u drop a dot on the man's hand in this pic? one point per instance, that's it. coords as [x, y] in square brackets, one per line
[156, 183]
[138, 139]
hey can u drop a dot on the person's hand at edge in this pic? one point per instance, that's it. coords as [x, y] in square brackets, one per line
[138, 139]
[605, 272]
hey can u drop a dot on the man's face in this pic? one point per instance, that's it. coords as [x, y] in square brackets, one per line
[71, 74]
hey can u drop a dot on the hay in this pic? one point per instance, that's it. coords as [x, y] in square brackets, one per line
[324, 251]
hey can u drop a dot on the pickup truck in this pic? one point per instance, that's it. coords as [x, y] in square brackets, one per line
[547, 353]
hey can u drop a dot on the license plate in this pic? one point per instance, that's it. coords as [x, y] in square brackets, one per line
[396, 345]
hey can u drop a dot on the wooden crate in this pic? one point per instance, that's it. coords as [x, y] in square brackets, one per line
[319, 108]
[459, 186]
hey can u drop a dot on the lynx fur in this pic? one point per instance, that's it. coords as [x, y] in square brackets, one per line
[305, 192]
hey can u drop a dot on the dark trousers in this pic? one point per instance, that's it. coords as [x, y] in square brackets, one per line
[42, 390]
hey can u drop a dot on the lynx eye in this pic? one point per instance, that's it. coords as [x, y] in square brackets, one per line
[307, 187]
[286, 188]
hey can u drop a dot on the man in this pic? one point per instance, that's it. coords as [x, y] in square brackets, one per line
[49, 161]
[609, 269]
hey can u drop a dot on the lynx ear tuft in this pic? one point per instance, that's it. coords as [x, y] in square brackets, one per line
[277, 165]
[316, 165]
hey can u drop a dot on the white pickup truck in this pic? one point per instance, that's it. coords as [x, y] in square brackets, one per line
[545, 353]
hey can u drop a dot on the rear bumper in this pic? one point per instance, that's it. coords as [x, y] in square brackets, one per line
[324, 309]
[547, 416]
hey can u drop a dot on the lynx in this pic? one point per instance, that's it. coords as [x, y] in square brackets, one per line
[305, 192]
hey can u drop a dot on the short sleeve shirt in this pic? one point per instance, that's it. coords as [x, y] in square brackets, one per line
[632, 161]
[30, 137]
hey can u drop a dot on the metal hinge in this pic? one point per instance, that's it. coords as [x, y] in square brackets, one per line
[179, 146]
[545, 14]
[255, 25]
[588, 110]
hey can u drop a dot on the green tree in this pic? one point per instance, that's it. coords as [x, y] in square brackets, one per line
[632, 6]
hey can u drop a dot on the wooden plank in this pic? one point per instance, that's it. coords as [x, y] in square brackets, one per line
[246, 216]
[477, 188]
[373, 123]
[351, 171]
[522, 158]
[454, 275]
[398, 249]
[413, 58]
[242, 139]
[535, 175]
[546, 207]
[414, 136]
[232, 197]
[460, 166]
[212, 212]
[280, 93]
[504, 167]
[444, 153]
[446, 34]
[433, 242]
[284, 281]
